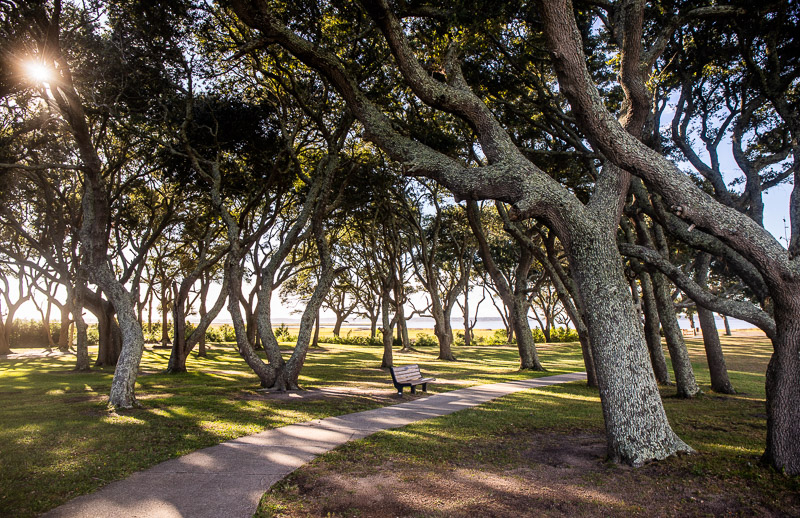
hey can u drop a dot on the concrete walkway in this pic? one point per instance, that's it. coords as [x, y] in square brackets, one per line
[230, 478]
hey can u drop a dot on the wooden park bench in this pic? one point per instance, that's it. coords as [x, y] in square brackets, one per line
[409, 376]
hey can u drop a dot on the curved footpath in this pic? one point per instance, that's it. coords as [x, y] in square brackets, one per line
[229, 479]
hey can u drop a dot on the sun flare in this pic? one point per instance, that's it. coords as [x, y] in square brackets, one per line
[38, 72]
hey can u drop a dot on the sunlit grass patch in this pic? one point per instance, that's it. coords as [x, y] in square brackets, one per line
[502, 437]
[59, 440]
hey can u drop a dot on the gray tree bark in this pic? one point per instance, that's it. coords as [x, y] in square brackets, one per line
[681, 364]
[652, 329]
[718, 371]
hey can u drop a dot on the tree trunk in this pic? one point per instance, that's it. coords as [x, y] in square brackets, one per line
[131, 337]
[315, 342]
[82, 345]
[387, 331]
[179, 353]
[681, 365]
[337, 327]
[588, 359]
[109, 336]
[515, 301]
[727, 325]
[716, 360]
[783, 384]
[528, 358]
[651, 330]
[182, 344]
[164, 318]
[5, 345]
[64, 327]
[637, 428]
[402, 324]
[201, 344]
[373, 326]
[150, 314]
[48, 336]
[467, 328]
[443, 332]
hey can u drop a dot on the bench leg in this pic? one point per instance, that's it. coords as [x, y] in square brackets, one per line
[413, 389]
[425, 387]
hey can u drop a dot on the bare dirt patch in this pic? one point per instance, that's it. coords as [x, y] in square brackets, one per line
[554, 475]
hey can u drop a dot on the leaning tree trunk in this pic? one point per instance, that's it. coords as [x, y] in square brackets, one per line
[122, 393]
[337, 326]
[783, 383]
[443, 332]
[82, 342]
[109, 337]
[5, 345]
[82, 345]
[681, 364]
[164, 318]
[388, 334]
[727, 325]
[526, 345]
[718, 371]
[651, 330]
[315, 341]
[637, 429]
[63, 328]
[716, 360]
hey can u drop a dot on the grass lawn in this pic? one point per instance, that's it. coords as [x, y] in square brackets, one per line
[58, 440]
[540, 453]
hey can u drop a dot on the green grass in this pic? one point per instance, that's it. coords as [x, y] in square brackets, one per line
[728, 433]
[58, 440]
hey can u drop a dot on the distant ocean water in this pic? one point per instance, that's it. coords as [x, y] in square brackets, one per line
[482, 323]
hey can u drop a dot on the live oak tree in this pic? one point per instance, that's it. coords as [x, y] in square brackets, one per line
[778, 266]
[636, 426]
[508, 264]
[68, 42]
[442, 257]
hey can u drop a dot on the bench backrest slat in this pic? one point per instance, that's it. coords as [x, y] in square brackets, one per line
[406, 373]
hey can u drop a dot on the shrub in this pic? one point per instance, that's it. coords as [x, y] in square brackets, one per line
[426, 340]
[352, 340]
[92, 334]
[153, 334]
[498, 338]
[223, 333]
[28, 333]
[563, 334]
[282, 334]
